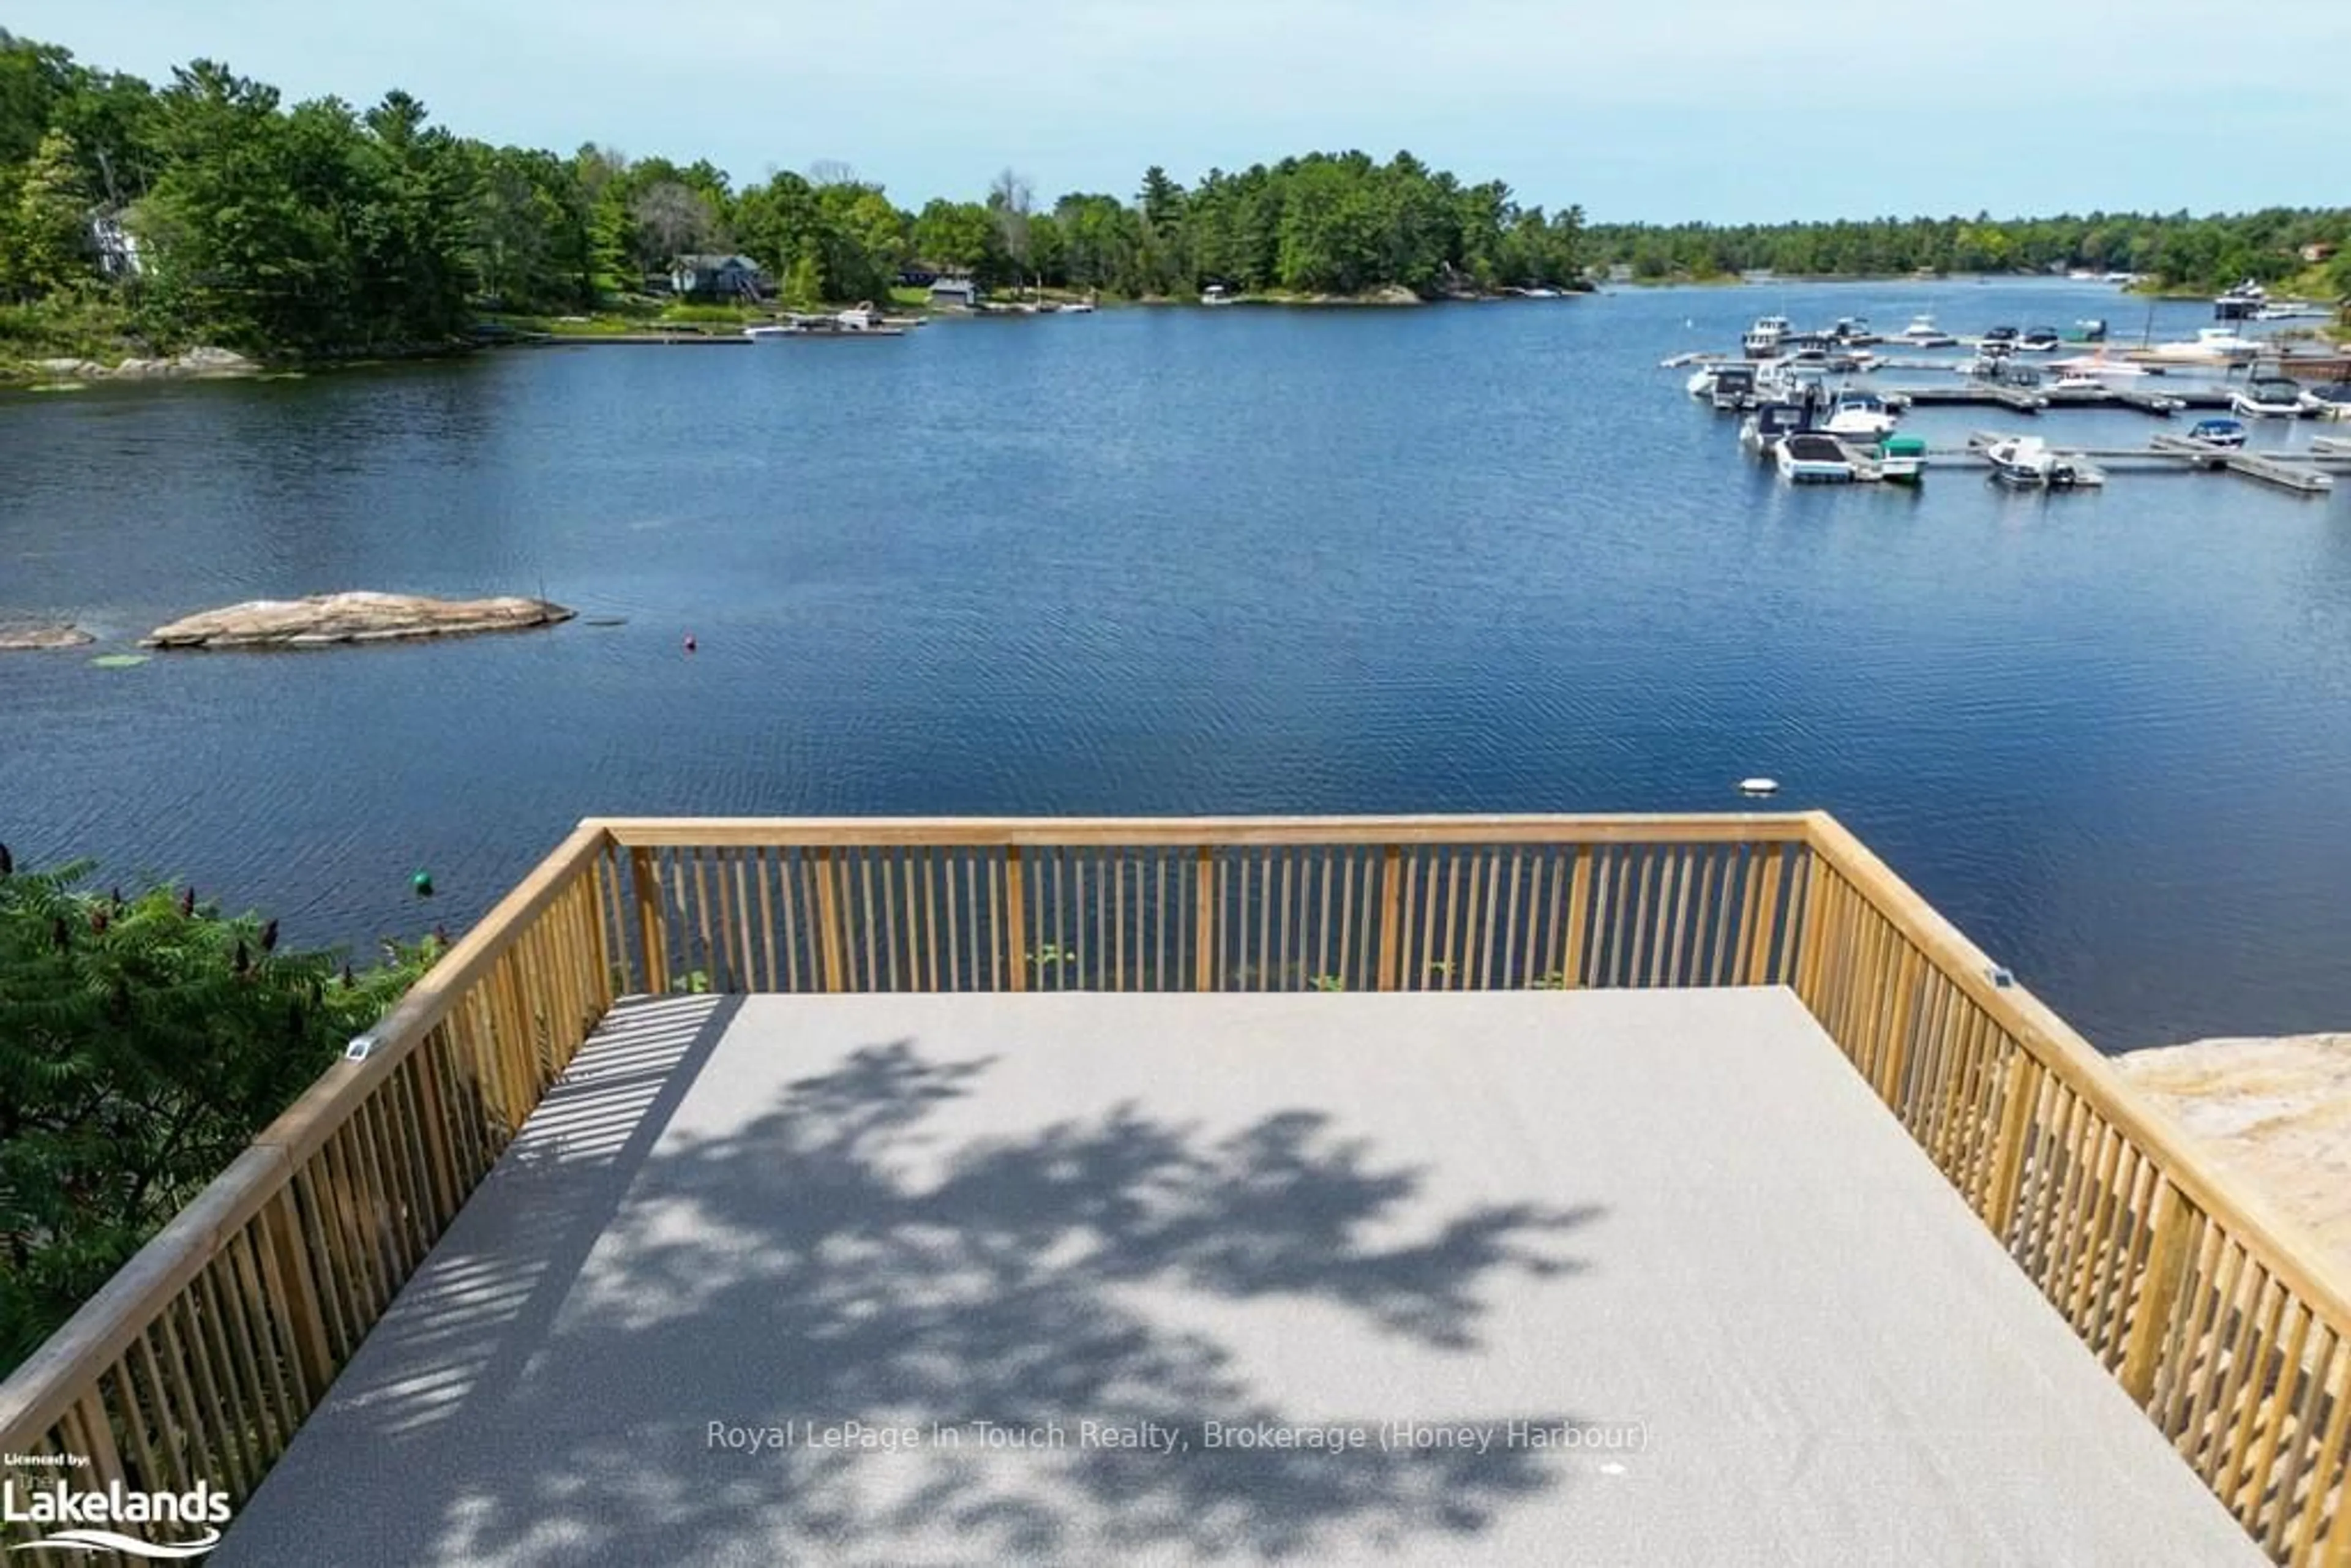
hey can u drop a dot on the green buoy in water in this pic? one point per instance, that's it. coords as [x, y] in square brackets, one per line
[423, 882]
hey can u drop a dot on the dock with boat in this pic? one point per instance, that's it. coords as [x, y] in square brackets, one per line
[1813, 406]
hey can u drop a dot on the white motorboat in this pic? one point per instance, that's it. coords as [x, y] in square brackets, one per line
[2027, 460]
[2293, 310]
[1215, 294]
[1859, 416]
[1811, 457]
[2078, 382]
[1922, 333]
[2271, 397]
[2210, 343]
[859, 321]
[2098, 366]
[1763, 339]
[1078, 307]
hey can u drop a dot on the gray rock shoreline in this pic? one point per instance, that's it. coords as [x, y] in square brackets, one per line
[194, 364]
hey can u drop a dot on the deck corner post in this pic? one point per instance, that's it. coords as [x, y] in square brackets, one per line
[1763, 910]
[599, 951]
[652, 923]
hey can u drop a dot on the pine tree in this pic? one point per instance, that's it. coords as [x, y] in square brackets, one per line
[142, 1043]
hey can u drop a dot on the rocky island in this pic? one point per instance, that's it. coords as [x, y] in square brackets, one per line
[16, 636]
[327, 619]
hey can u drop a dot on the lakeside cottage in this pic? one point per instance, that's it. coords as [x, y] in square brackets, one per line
[960, 292]
[719, 278]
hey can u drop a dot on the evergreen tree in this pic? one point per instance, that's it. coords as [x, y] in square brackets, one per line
[143, 1042]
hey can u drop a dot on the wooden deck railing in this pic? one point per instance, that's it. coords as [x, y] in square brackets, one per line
[204, 1356]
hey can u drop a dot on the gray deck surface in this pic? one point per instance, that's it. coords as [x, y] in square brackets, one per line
[1673, 1221]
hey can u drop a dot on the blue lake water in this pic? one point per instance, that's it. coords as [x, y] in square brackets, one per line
[1155, 560]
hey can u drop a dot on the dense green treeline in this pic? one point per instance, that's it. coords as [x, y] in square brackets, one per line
[210, 208]
[2178, 250]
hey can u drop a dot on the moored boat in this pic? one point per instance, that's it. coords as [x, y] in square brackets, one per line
[2225, 432]
[1772, 423]
[2210, 343]
[2293, 310]
[2239, 303]
[1922, 333]
[2031, 462]
[1902, 459]
[1763, 340]
[2099, 366]
[1859, 415]
[859, 321]
[2271, 397]
[1813, 457]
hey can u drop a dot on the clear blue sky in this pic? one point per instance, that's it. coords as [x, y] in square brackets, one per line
[1728, 109]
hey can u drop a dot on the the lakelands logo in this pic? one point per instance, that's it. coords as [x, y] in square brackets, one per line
[188, 1522]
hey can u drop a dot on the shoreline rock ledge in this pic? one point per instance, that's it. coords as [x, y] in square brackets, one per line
[327, 620]
[2276, 1113]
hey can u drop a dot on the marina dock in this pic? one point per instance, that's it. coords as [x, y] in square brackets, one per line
[2163, 404]
[2303, 473]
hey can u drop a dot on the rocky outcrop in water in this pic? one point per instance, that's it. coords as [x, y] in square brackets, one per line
[2274, 1113]
[195, 363]
[327, 619]
[19, 636]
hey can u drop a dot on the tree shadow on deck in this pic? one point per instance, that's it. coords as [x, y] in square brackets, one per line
[545, 1391]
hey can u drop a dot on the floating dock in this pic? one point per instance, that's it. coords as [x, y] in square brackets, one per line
[2304, 478]
[2303, 473]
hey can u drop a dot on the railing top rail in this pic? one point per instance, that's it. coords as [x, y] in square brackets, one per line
[2296, 1258]
[727, 832]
